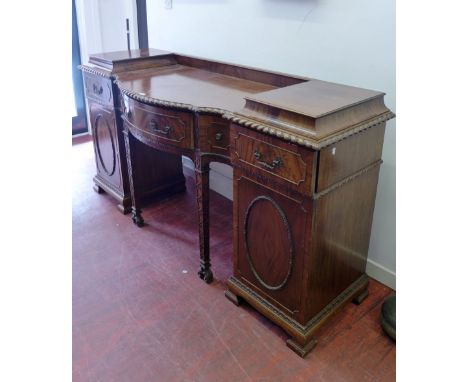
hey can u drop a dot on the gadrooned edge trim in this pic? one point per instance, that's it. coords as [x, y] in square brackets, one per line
[263, 127]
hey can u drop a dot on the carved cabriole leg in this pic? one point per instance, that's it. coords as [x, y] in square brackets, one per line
[202, 179]
[129, 148]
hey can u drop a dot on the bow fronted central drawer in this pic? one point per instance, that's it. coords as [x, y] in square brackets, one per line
[168, 126]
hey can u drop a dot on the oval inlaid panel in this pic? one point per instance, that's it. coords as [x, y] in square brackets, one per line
[105, 144]
[268, 242]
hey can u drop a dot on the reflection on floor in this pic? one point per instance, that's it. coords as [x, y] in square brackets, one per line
[140, 312]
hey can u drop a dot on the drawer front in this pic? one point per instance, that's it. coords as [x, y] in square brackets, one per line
[98, 89]
[348, 156]
[214, 135]
[270, 157]
[158, 124]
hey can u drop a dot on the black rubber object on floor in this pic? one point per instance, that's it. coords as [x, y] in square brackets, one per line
[388, 317]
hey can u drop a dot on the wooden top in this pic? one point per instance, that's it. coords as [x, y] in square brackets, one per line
[305, 111]
[125, 60]
[315, 98]
[110, 58]
[196, 87]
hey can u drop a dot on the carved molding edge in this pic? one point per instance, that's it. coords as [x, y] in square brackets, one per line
[308, 329]
[95, 71]
[285, 222]
[268, 129]
[99, 179]
[317, 145]
[373, 122]
[159, 102]
[268, 305]
[98, 144]
[346, 180]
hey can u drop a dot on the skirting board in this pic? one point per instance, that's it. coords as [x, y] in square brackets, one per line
[222, 184]
[381, 274]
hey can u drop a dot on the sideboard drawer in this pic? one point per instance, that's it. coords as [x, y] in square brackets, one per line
[270, 157]
[213, 135]
[350, 155]
[167, 126]
[98, 88]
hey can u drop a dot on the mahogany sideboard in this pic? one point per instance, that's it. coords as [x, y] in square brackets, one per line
[306, 156]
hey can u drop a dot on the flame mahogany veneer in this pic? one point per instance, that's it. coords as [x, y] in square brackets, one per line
[306, 157]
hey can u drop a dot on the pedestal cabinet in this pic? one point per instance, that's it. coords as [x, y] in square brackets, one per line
[104, 108]
[306, 155]
[302, 223]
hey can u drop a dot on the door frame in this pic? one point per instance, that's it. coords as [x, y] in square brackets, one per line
[142, 22]
[79, 122]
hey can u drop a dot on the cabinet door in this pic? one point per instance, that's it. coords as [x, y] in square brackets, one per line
[270, 242]
[106, 145]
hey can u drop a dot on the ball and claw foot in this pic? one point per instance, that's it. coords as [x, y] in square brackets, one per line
[138, 219]
[206, 275]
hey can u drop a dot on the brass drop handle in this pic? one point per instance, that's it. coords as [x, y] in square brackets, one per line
[218, 137]
[274, 164]
[128, 112]
[155, 129]
[97, 90]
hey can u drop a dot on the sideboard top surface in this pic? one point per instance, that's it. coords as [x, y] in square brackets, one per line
[307, 111]
[197, 87]
[315, 98]
[111, 58]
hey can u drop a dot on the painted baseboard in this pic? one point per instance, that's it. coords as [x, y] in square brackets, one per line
[187, 167]
[221, 182]
[381, 273]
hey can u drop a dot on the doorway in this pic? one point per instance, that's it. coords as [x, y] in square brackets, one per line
[79, 123]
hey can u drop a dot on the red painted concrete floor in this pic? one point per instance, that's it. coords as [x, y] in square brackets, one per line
[140, 312]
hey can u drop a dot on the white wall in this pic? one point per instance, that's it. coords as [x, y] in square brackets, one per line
[113, 15]
[351, 42]
[102, 28]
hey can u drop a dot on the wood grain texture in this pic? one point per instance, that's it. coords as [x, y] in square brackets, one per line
[342, 222]
[191, 86]
[135, 59]
[306, 111]
[137, 317]
[347, 157]
[240, 71]
[214, 137]
[105, 144]
[257, 153]
[302, 110]
[269, 238]
[330, 240]
[304, 184]
[104, 102]
[169, 126]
